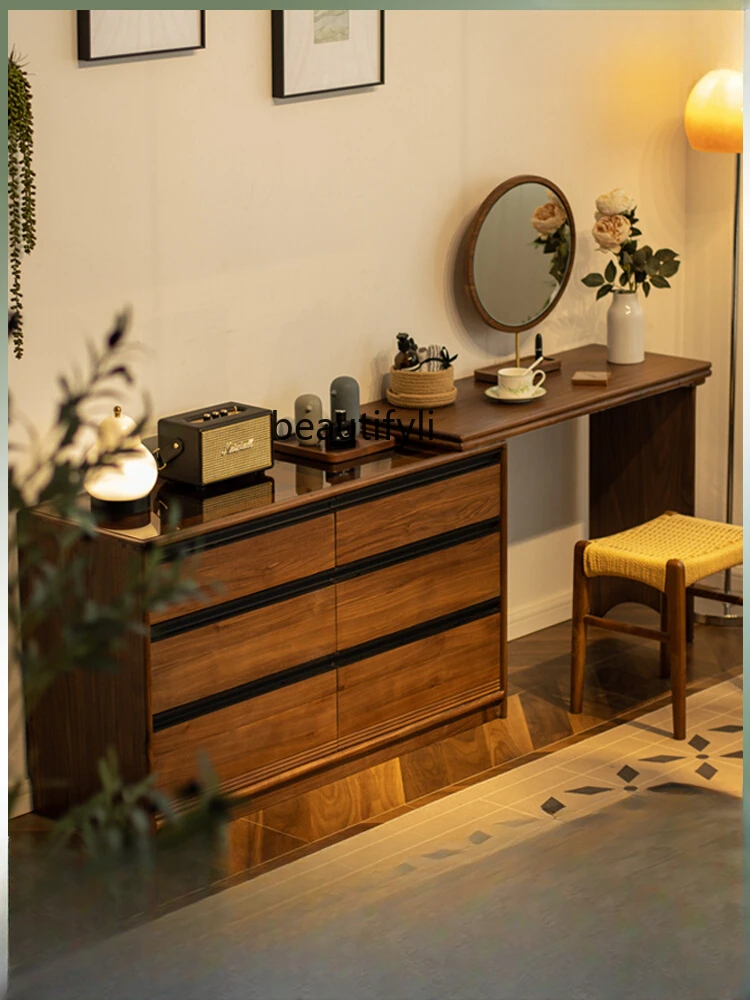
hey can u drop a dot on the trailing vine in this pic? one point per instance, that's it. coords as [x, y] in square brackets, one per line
[21, 187]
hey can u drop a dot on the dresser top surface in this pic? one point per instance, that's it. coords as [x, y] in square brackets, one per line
[473, 425]
[474, 419]
[285, 489]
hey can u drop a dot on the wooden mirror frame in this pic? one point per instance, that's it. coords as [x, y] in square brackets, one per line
[476, 225]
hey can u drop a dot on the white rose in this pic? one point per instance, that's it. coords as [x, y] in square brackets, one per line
[615, 202]
[611, 231]
[548, 218]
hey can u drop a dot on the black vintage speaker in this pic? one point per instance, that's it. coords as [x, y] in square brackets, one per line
[216, 443]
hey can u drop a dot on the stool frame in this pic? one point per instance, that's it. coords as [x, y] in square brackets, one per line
[676, 630]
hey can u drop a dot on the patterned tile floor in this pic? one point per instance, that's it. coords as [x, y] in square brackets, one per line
[636, 758]
[334, 894]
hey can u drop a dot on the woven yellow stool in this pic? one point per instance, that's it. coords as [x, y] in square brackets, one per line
[670, 553]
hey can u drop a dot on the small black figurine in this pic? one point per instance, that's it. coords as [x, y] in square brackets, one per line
[538, 347]
[407, 352]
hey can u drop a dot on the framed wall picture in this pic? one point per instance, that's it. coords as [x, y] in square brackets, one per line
[316, 51]
[113, 34]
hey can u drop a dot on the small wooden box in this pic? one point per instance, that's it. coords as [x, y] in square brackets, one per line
[590, 378]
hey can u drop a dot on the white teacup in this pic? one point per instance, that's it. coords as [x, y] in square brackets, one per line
[519, 381]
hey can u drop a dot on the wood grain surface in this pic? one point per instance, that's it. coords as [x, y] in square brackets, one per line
[257, 563]
[248, 736]
[475, 419]
[85, 712]
[417, 513]
[641, 463]
[450, 667]
[409, 593]
[237, 650]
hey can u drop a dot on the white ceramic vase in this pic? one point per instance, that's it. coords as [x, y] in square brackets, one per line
[624, 328]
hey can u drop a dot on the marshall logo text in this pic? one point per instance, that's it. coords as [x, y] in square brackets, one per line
[231, 447]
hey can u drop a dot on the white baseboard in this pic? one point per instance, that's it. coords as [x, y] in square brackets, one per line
[536, 615]
[22, 804]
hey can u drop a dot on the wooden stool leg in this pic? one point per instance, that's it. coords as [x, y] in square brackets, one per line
[689, 613]
[578, 647]
[664, 647]
[675, 588]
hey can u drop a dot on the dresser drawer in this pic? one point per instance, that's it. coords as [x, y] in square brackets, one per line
[399, 686]
[418, 590]
[244, 648]
[257, 563]
[256, 735]
[417, 513]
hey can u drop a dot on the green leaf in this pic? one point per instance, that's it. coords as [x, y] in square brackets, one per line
[646, 288]
[665, 254]
[593, 280]
[635, 232]
[669, 268]
[604, 290]
[658, 282]
[610, 271]
[624, 278]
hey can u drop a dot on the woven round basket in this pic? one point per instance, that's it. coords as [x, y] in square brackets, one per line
[421, 390]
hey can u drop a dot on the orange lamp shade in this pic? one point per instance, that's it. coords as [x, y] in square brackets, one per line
[713, 113]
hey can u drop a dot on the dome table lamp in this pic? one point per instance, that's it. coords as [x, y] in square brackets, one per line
[122, 488]
[713, 124]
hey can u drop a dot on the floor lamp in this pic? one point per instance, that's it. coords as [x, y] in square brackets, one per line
[713, 123]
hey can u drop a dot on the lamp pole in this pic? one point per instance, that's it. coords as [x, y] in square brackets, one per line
[730, 616]
[713, 123]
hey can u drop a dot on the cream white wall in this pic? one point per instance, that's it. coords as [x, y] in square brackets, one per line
[266, 248]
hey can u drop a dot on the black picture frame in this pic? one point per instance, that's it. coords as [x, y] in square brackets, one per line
[83, 33]
[280, 89]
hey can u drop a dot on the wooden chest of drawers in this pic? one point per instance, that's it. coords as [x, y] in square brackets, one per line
[327, 630]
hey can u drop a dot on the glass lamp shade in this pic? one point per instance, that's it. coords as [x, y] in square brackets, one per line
[132, 474]
[713, 113]
[132, 477]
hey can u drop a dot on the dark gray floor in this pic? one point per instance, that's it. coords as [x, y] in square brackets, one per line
[641, 900]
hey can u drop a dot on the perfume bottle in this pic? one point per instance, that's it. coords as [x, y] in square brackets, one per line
[342, 432]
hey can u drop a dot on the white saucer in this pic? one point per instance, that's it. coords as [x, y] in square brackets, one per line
[494, 393]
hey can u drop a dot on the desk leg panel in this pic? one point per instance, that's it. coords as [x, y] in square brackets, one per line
[641, 463]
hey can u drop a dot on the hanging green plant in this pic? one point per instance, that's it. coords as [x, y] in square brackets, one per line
[21, 187]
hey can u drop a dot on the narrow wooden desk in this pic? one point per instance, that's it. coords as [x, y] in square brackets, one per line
[641, 439]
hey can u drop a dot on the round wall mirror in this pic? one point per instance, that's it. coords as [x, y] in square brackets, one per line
[520, 253]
